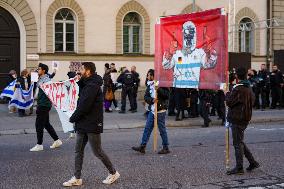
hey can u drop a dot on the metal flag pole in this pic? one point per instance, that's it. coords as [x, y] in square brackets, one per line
[155, 137]
[193, 6]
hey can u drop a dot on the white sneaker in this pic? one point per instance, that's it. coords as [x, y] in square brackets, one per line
[110, 109]
[37, 148]
[111, 178]
[73, 182]
[117, 109]
[56, 144]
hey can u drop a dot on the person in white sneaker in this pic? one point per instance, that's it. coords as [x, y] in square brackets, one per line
[88, 119]
[42, 113]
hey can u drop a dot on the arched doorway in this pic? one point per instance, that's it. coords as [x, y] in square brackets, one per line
[9, 46]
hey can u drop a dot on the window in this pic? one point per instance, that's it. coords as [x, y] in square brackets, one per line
[132, 40]
[246, 35]
[64, 31]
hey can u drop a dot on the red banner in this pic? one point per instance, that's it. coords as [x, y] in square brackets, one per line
[191, 50]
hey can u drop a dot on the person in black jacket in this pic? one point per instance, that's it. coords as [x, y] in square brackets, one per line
[263, 88]
[162, 105]
[88, 119]
[135, 88]
[127, 80]
[276, 83]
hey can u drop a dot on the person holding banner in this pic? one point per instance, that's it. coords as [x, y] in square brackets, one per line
[163, 101]
[88, 119]
[240, 103]
[11, 77]
[25, 84]
[42, 113]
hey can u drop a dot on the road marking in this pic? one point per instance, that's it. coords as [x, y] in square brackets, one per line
[272, 129]
[275, 186]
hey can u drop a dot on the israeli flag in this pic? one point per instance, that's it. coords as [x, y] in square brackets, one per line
[9, 90]
[22, 99]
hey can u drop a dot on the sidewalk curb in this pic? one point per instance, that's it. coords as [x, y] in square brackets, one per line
[170, 124]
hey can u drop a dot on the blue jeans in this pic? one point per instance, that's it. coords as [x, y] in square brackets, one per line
[150, 125]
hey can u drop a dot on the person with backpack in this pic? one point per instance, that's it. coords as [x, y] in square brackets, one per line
[108, 90]
[240, 102]
[127, 80]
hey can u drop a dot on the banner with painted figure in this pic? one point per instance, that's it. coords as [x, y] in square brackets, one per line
[22, 99]
[191, 50]
[64, 96]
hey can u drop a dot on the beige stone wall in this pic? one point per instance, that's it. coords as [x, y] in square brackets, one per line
[99, 25]
[278, 33]
[102, 33]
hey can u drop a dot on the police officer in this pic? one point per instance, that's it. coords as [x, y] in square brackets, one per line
[263, 76]
[204, 105]
[127, 80]
[276, 83]
[135, 88]
[254, 84]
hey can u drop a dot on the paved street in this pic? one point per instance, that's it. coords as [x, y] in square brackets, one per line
[196, 161]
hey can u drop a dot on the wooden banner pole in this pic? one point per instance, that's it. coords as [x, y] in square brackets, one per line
[155, 137]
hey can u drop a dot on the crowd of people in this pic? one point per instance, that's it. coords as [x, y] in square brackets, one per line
[24, 82]
[268, 88]
[96, 95]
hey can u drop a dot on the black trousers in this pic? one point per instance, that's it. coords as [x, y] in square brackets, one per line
[276, 93]
[261, 92]
[95, 143]
[241, 148]
[127, 91]
[194, 103]
[204, 110]
[172, 103]
[221, 110]
[42, 122]
[135, 92]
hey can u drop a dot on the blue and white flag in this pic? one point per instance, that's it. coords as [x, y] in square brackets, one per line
[22, 99]
[9, 90]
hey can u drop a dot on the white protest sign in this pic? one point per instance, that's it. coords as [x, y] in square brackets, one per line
[64, 96]
[55, 65]
[34, 76]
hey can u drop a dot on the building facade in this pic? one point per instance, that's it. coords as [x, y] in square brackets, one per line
[118, 31]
